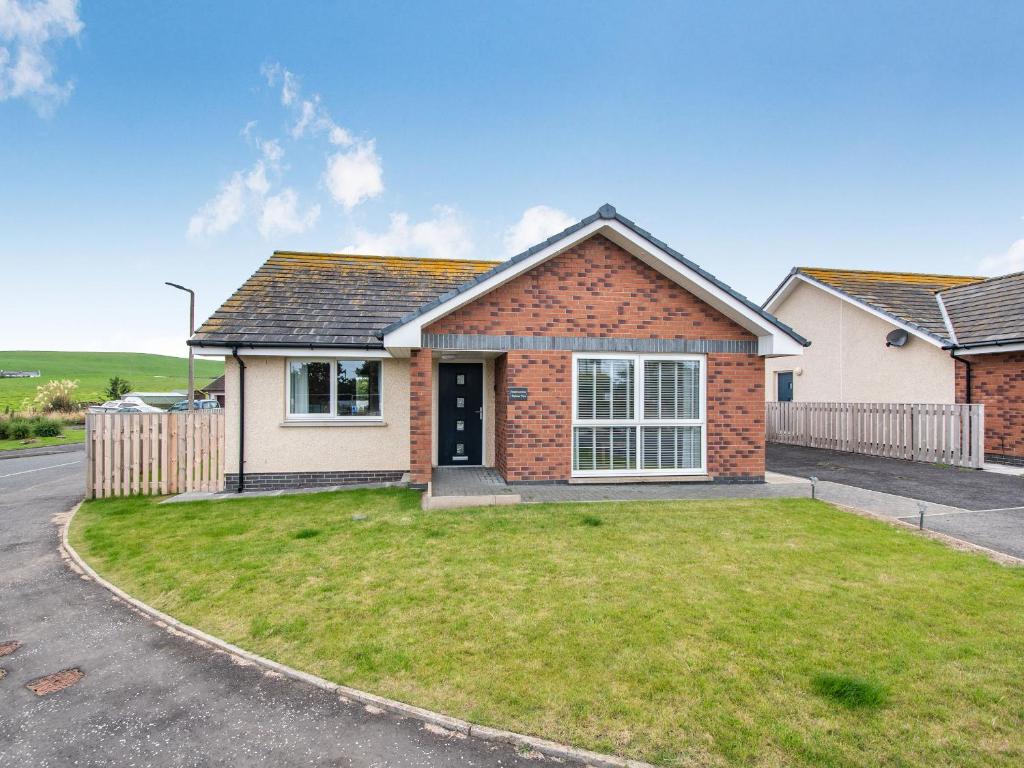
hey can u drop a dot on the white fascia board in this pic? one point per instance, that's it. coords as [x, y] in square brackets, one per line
[989, 349]
[945, 317]
[409, 335]
[327, 352]
[940, 343]
[778, 346]
[781, 293]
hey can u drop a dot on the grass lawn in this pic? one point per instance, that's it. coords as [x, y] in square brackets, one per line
[71, 435]
[734, 633]
[93, 370]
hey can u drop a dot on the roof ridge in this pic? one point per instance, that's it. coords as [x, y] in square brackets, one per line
[986, 281]
[891, 272]
[329, 254]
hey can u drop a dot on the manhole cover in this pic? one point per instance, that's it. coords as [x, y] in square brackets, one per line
[58, 681]
[8, 647]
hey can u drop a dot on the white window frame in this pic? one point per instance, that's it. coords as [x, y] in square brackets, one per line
[637, 420]
[333, 416]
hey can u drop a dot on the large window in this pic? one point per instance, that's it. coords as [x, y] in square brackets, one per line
[334, 389]
[638, 414]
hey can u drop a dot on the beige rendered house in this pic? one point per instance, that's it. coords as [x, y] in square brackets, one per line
[900, 337]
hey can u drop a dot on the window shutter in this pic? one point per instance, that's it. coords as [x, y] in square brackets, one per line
[671, 447]
[671, 389]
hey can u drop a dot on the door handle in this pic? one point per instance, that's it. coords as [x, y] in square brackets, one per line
[480, 412]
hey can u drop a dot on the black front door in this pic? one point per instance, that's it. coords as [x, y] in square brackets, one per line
[460, 401]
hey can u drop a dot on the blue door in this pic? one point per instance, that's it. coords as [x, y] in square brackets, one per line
[784, 386]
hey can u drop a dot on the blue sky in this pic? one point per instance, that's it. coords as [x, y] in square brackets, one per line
[143, 142]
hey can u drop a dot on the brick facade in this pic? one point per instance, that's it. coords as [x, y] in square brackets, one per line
[597, 289]
[735, 397]
[998, 382]
[421, 400]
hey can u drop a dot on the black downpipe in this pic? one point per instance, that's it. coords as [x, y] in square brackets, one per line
[952, 353]
[241, 420]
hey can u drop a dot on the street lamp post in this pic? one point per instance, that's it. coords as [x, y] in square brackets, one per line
[191, 330]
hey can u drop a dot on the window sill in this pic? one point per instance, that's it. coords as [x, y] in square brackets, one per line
[333, 423]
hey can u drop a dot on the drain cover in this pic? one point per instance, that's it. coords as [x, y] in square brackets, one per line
[3, 673]
[8, 647]
[58, 681]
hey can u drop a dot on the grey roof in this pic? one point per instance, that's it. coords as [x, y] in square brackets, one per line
[907, 297]
[606, 211]
[308, 300]
[329, 299]
[217, 385]
[987, 312]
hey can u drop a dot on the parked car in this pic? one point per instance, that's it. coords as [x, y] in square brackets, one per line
[127, 405]
[199, 405]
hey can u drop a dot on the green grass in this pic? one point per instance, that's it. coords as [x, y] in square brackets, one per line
[93, 370]
[724, 633]
[71, 435]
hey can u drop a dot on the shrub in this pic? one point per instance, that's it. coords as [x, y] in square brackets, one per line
[56, 396]
[117, 388]
[47, 427]
[19, 429]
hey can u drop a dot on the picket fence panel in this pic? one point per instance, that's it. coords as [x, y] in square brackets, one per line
[936, 433]
[154, 453]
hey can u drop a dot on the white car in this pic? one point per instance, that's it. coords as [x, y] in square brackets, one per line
[128, 405]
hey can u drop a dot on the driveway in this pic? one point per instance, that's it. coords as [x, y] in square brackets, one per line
[151, 698]
[980, 507]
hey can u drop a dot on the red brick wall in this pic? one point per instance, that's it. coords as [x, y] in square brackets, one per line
[500, 414]
[998, 382]
[538, 431]
[420, 413]
[594, 289]
[598, 289]
[735, 395]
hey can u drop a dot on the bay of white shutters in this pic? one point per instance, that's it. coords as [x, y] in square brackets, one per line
[623, 426]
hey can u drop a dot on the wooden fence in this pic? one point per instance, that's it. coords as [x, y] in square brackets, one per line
[153, 453]
[945, 434]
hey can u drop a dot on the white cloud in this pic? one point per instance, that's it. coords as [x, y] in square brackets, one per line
[354, 176]
[223, 211]
[1012, 260]
[536, 225]
[281, 214]
[249, 192]
[25, 31]
[445, 236]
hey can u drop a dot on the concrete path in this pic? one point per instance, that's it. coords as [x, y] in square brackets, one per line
[149, 698]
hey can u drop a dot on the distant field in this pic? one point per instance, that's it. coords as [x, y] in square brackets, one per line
[149, 373]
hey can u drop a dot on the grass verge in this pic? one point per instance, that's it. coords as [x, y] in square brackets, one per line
[70, 435]
[733, 633]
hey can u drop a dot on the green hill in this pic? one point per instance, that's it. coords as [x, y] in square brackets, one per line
[146, 373]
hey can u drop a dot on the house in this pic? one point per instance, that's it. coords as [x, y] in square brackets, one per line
[215, 390]
[901, 337]
[596, 355]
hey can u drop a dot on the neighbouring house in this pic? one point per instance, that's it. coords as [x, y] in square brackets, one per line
[598, 354]
[215, 390]
[900, 337]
